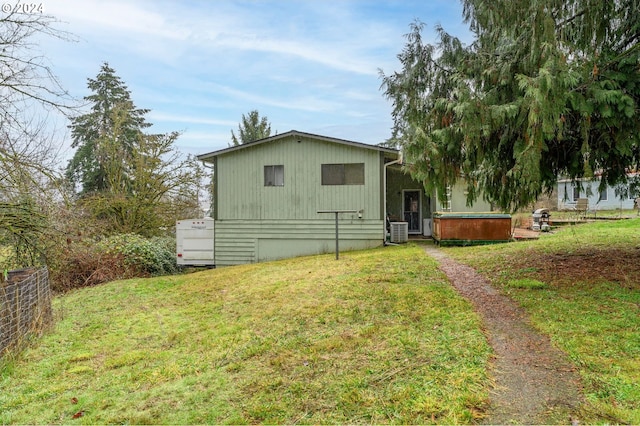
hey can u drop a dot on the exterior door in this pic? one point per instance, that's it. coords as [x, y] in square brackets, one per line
[412, 208]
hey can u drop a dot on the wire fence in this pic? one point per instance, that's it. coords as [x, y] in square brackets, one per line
[25, 306]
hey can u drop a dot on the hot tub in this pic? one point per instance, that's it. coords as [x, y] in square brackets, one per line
[471, 228]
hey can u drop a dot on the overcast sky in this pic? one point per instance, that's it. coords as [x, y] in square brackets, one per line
[198, 66]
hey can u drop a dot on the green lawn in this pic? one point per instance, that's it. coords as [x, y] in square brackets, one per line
[596, 213]
[581, 286]
[376, 337]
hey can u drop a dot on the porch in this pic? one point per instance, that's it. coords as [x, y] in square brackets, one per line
[406, 201]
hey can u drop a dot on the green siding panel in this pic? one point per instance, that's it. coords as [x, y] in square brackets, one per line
[248, 241]
[459, 201]
[241, 193]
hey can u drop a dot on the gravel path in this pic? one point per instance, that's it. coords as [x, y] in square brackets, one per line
[533, 381]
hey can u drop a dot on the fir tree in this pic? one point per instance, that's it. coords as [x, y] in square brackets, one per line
[547, 88]
[251, 129]
[131, 181]
[113, 118]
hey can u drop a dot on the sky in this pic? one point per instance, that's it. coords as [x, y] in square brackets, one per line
[311, 66]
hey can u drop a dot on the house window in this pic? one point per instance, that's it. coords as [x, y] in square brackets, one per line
[603, 195]
[343, 174]
[273, 175]
[576, 193]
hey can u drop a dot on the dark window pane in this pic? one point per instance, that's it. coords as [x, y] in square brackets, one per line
[603, 195]
[343, 174]
[273, 175]
[354, 174]
[268, 176]
[278, 175]
[333, 174]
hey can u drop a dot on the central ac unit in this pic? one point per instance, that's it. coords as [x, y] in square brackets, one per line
[399, 232]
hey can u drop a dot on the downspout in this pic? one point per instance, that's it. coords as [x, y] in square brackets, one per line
[384, 193]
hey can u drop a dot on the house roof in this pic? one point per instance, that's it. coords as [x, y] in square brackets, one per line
[294, 133]
[596, 175]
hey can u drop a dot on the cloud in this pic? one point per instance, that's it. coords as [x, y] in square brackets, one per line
[157, 116]
[165, 29]
[305, 103]
[202, 142]
[198, 64]
[116, 16]
[315, 52]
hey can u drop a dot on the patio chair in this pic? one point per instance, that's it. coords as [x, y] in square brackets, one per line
[582, 205]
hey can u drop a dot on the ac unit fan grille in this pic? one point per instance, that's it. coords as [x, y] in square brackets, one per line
[399, 232]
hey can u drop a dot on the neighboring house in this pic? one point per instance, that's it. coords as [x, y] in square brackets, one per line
[268, 195]
[569, 192]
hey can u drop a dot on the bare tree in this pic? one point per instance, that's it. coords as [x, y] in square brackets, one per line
[29, 94]
[25, 74]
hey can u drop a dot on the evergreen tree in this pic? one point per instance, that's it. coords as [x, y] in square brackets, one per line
[547, 88]
[251, 129]
[132, 181]
[94, 131]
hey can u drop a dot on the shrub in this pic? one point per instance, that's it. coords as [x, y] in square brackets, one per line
[166, 248]
[84, 264]
[153, 256]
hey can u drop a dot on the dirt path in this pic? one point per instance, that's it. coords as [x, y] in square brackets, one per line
[534, 382]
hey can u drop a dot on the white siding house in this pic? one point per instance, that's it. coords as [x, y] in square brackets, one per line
[569, 192]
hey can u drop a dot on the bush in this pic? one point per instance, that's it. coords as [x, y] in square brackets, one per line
[86, 263]
[166, 248]
[155, 256]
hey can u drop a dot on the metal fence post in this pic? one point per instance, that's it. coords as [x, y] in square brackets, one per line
[336, 212]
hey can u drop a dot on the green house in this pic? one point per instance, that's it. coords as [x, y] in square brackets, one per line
[271, 197]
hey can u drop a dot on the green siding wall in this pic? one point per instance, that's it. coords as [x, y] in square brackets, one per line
[247, 241]
[242, 194]
[459, 201]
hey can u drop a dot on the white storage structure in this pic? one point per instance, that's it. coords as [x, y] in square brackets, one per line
[195, 242]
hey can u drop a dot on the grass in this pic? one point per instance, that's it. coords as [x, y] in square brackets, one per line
[592, 213]
[595, 213]
[526, 283]
[377, 337]
[581, 286]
